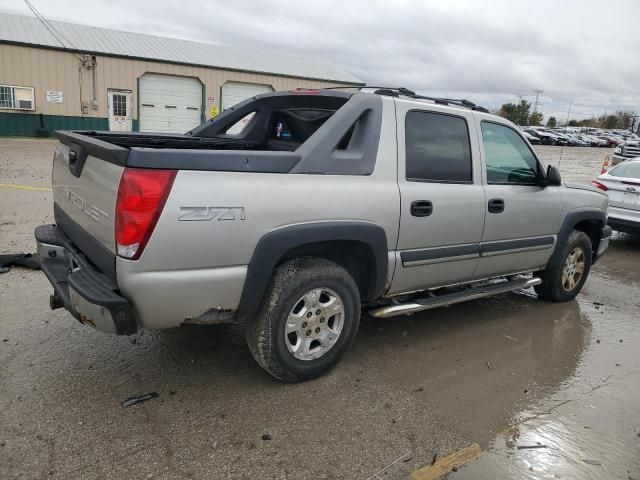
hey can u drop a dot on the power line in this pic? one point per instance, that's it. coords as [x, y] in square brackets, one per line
[52, 30]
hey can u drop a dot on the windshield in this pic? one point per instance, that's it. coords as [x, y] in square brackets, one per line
[626, 169]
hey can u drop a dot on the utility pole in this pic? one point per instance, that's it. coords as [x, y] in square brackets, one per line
[535, 106]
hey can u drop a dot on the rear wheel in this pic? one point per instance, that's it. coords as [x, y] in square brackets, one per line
[563, 280]
[308, 318]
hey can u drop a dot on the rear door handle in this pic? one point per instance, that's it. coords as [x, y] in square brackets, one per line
[421, 208]
[496, 205]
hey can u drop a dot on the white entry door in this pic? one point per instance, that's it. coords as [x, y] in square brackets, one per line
[119, 102]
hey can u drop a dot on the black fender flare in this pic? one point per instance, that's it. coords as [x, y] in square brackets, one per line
[571, 219]
[273, 246]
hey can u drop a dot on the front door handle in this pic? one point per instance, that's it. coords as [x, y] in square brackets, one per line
[421, 208]
[496, 205]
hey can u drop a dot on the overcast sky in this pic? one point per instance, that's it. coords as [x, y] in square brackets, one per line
[486, 51]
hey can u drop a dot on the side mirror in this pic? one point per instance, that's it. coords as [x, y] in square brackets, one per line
[553, 177]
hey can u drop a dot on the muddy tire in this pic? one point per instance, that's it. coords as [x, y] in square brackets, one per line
[563, 280]
[308, 318]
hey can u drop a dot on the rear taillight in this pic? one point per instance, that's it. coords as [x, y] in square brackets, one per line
[599, 185]
[141, 198]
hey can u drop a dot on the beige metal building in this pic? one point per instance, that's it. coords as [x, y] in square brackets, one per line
[80, 77]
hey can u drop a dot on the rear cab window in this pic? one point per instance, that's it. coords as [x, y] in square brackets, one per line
[626, 169]
[437, 148]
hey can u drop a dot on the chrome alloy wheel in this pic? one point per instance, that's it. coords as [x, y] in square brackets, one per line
[573, 269]
[314, 324]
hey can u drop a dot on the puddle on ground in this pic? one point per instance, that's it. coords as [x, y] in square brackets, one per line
[589, 427]
[479, 363]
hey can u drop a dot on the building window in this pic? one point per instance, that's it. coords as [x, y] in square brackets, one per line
[17, 98]
[119, 105]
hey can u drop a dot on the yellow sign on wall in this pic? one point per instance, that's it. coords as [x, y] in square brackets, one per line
[213, 111]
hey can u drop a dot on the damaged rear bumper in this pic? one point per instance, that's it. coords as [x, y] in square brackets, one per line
[79, 287]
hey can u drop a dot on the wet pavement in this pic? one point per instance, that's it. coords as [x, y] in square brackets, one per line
[502, 372]
[589, 427]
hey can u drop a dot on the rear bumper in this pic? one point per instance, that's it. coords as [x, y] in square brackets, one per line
[87, 293]
[624, 225]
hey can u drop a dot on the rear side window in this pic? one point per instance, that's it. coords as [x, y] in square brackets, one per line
[437, 148]
[509, 160]
[626, 169]
[240, 126]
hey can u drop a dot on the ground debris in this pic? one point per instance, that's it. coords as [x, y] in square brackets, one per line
[266, 437]
[529, 447]
[27, 260]
[508, 337]
[592, 462]
[139, 399]
[489, 366]
[598, 304]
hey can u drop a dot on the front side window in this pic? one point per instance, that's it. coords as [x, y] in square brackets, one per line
[508, 158]
[437, 148]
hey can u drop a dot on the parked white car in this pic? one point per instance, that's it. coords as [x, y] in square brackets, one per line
[622, 184]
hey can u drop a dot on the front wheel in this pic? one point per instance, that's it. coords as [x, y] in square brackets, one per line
[308, 318]
[564, 279]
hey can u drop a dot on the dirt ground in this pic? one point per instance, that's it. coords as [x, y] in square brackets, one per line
[411, 388]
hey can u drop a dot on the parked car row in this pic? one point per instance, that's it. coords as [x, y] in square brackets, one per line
[574, 138]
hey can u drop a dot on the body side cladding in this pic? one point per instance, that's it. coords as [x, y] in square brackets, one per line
[273, 246]
[475, 249]
[571, 219]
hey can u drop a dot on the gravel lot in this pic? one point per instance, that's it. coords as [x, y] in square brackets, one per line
[410, 388]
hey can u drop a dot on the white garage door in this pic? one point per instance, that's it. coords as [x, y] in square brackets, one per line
[236, 92]
[169, 103]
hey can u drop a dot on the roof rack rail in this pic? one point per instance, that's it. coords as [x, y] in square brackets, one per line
[405, 92]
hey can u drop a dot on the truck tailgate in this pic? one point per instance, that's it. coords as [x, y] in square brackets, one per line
[86, 175]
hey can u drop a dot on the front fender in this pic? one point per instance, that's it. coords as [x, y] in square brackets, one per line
[571, 219]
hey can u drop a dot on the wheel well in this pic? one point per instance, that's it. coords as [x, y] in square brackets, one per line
[355, 257]
[592, 229]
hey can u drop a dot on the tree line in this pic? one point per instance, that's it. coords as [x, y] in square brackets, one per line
[521, 114]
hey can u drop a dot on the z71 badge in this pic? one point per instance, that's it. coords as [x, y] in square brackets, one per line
[206, 214]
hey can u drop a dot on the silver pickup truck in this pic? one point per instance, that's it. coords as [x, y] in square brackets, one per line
[292, 211]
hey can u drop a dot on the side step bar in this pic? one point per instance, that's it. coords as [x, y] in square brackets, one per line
[452, 298]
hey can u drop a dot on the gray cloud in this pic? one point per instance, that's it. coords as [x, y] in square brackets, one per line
[487, 51]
